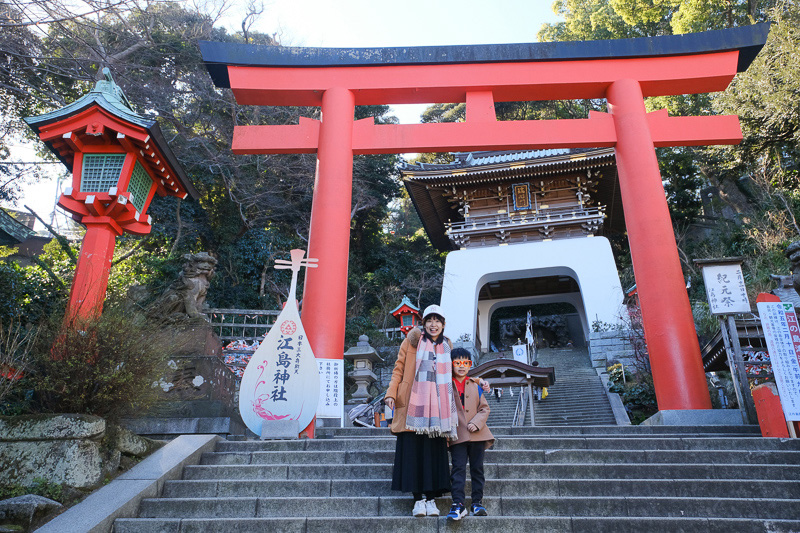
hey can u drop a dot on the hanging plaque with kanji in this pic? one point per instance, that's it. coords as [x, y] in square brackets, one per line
[725, 289]
[281, 381]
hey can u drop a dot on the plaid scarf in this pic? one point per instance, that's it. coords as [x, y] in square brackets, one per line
[432, 407]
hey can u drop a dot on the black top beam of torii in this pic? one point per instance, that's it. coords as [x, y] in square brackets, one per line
[748, 40]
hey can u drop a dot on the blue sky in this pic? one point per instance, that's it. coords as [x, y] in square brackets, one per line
[371, 23]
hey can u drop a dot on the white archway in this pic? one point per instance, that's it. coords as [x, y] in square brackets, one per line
[589, 261]
[486, 309]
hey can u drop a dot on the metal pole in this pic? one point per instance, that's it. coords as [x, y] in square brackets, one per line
[530, 400]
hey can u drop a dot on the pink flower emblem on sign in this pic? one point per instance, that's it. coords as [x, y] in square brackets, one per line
[288, 327]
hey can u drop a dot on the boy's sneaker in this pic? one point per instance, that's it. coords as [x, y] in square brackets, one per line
[431, 509]
[478, 510]
[457, 512]
[419, 508]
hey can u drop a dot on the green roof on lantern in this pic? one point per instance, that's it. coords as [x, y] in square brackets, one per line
[406, 302]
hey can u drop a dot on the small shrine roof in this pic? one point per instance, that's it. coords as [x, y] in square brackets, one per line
[512, 372]
[12, 231]
[407, 303]
[108, 96]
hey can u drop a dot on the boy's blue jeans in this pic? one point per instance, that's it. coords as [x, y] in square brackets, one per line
[459, 453]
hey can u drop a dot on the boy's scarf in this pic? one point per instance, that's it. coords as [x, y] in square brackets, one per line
[432, 407]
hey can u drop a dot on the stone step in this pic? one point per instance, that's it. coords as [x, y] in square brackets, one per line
[703, 488]
[528, 443]
[544, 524]
[519, 456]
[574, 479]
[630, 506]
[512, 471]
[616, 431]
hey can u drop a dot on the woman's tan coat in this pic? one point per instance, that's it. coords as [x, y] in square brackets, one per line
[474, 411]
[403, 378]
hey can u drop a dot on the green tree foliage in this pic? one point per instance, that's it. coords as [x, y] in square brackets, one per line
[252, 209]
[753, 209]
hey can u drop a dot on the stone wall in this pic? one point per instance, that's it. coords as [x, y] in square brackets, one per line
[75, 450]
[606, 346]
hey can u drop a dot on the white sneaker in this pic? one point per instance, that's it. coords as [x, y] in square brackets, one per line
[419, 508]
[431, 509]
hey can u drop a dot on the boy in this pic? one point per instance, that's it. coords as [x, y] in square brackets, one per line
[473, 437]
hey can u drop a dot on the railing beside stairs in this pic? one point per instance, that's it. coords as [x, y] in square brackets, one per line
[241, 324]
[519, 412]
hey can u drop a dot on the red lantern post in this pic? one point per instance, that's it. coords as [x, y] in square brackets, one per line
[119, 162]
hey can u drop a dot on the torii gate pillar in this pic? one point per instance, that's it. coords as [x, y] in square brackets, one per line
[666, 312]
[325, 290]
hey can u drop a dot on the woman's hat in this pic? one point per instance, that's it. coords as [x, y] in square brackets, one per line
[432, 310]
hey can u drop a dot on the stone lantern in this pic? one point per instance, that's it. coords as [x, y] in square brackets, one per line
[363, 356]
[119, 161]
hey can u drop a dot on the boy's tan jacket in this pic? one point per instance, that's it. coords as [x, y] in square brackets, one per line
[475, 410]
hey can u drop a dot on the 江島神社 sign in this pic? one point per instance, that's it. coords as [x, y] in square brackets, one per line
[725, 289]
[281, 381]
[782, 332]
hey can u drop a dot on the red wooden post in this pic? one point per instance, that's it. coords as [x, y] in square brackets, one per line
[666, 312]
[325, 290]
[91, 274]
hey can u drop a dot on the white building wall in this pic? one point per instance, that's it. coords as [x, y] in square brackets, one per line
[588, 260]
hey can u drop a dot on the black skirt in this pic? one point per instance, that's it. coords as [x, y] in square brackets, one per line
[421, 464]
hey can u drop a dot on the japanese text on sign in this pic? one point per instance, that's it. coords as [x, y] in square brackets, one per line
[331, 394]
[782, 332]
[725, 288]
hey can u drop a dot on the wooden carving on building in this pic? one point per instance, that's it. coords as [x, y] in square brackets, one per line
[501, 198]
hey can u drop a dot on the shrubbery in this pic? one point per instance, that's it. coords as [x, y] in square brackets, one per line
[636, 390]
[104, 367]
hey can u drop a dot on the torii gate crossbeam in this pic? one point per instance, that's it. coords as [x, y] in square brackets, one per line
[623, 72]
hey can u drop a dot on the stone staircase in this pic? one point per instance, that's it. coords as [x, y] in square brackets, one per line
[564, 479]
[577, 398]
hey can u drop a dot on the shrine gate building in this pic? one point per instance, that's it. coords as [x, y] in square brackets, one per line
[522, 228]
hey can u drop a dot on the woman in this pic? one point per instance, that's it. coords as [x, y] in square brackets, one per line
[421, 394]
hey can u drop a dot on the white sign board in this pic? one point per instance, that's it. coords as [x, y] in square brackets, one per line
[782, 332]
[281, 381]
[331, 388]
[520, 352]
[725, 289]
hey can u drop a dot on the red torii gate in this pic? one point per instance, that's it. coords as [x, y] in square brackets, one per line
[621, 71]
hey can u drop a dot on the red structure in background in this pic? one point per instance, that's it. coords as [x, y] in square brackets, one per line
[119, 162]
[622, 72]
[408, 315]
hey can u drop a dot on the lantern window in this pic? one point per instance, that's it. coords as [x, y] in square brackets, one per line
[139, 186]
[100, 172]
[407, 320]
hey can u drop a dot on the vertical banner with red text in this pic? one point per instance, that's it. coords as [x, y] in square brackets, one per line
[782, 333]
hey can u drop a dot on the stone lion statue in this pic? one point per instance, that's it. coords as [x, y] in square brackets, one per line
[186, 296]
[793, 254]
